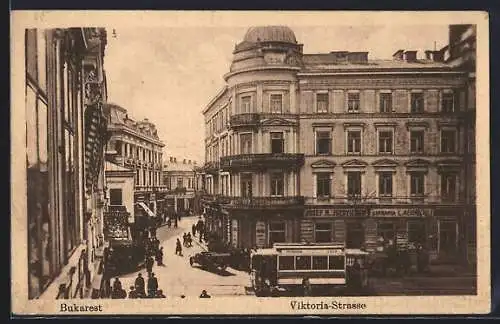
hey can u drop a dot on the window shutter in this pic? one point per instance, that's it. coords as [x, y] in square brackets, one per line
[371, 234]
[339, 229]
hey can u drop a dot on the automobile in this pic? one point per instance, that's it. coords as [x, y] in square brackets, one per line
[210, 260]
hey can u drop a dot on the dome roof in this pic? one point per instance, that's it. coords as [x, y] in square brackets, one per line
[270, 34]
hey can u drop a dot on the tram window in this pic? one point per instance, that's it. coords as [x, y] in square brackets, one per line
[336, 262]
[320, 262]
[303, 262]
[286, 263]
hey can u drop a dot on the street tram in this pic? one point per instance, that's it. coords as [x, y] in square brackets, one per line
[288, 267]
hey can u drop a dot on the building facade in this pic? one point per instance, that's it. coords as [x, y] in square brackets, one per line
[65, 138]
[136, 145]
[179, 181]
[120, 183]
[335, 147]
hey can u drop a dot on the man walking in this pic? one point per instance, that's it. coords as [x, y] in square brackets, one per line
[152, 285]
[178, 247]
[140, 286]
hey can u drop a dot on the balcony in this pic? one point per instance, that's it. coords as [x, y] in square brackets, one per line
[211, 167]
[244, 120]
[256, 162]
[262, 202]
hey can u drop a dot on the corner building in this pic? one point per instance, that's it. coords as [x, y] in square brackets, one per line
[335, 147]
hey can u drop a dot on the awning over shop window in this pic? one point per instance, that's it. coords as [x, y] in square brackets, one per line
[146, 209]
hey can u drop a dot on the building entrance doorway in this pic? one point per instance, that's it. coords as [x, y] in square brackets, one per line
[355, 235]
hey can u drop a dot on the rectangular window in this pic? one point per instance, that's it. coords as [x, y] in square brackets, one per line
[417, 102]
[245, 143]
[246, 104]
[386, 102]
[353, 102]
[448, 102]
[277, 143]
[320, 262]
[336, 262]
[322, 102]
[448, 141]
[385, 184]
[448, 187]
[303, 262]
[417, 184]
[323, 185]
[276, 103]
[323, 143]
[387, 230]
[277, 232]
[385, 142]
[277, 184]
[323, 232]
[115, 197]
[354, 142]
[417, 141]
[353, 184]
[246, 185]
[286, 262]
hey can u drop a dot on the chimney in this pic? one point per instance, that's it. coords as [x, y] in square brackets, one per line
[175, 160]
[171, 159]
[398, 56]
[184, 161]
[410, 56]
[189, 161]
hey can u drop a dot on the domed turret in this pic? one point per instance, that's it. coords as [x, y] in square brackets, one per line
[270, 34]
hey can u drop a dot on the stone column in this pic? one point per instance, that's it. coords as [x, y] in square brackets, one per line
[259, 98]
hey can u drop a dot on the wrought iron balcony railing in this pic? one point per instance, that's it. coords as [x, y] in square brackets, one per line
[262, 202]
[248, 119]
[262, 161]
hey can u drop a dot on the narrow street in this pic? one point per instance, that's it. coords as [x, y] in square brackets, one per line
[177, 277]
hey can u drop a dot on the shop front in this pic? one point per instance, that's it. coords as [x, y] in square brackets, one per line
[263, 228]
[334, 224]
[450, 241]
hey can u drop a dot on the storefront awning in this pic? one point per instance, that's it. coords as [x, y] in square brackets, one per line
[146, 209]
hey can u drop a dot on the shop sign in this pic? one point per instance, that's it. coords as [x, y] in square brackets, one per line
[234, 232]
[383, 213]
[260, 233]
[415, 212]
[344, 212]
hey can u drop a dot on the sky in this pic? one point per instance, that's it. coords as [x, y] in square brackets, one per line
[169, 74]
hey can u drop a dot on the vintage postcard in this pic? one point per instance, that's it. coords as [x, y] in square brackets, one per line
[252, 163]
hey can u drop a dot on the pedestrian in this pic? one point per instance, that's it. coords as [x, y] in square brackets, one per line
[117, 285]
[152, 285]
[133, 293]
[189, 240]
[149, 264]
[159, 256]
[169, 222]
[178, 247]
[184, 240]
[193, 229]
[159, 294]
[204, 294]
[175, 222]
[306, 286]
[140, 286]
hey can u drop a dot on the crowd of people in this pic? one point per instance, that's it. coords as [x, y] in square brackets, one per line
[153, 252]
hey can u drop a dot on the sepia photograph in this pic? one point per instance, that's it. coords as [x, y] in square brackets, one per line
[269, 162]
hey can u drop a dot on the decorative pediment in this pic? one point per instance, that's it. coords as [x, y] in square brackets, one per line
[418, 163]
[354, 163]
[448, 164]
[278, 122]
[323, 164]
[417, 124]
[385, 163]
